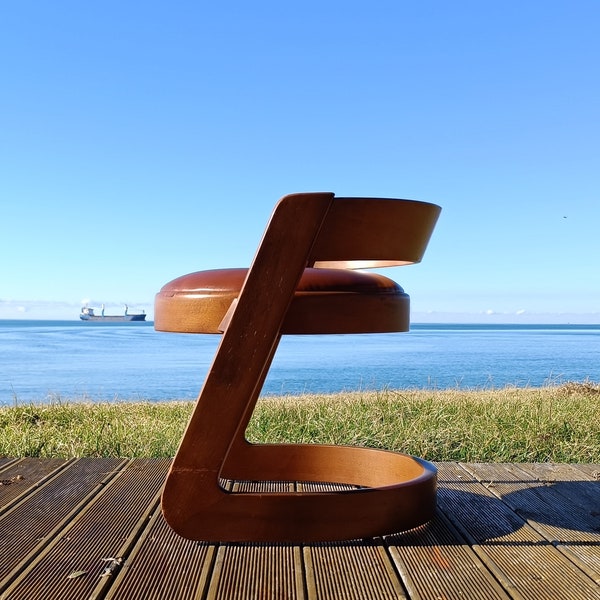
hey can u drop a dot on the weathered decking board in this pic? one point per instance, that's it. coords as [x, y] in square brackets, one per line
[92, 528]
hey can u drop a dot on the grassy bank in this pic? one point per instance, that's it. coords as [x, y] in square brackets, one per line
[559, 424]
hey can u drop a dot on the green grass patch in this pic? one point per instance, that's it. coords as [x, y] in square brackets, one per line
[554, 423]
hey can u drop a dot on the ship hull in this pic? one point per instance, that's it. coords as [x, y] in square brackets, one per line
[112, 318]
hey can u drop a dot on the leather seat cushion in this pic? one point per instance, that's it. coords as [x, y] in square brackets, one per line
[326, 301]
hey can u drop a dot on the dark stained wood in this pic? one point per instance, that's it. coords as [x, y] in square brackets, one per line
[93, 529]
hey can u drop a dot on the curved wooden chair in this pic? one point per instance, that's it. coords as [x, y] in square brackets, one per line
[301, 281]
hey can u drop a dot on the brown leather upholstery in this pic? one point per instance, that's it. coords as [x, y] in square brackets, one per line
[198, 302]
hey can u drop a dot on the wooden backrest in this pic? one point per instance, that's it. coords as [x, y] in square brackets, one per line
[359, 233]
[363, 233]
[320, 230]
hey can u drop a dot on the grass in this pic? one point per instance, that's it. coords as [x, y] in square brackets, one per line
[554, 423]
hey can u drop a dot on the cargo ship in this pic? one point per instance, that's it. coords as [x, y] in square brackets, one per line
[88, 314]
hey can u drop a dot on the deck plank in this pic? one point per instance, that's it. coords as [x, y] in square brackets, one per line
[561, 504]
[22, 476]
[74, 563]
[519, 554]
[501, 531]
[353, 570]
[591, 470]
[164, 565]
[435, 561]
[5, 461]
[66, 493]
[247, 571]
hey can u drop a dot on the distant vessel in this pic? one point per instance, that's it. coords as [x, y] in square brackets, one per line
[87, 314]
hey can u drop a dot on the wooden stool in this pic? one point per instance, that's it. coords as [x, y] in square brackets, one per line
[301, 281]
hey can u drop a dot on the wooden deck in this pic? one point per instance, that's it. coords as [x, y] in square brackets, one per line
[92, 528]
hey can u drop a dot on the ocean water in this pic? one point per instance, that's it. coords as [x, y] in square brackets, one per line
[72, 360]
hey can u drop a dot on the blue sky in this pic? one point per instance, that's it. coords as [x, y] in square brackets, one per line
[143, 140]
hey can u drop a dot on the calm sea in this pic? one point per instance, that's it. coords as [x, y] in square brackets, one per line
[43, 360]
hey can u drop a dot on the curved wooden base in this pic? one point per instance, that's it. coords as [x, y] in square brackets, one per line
[399, 495]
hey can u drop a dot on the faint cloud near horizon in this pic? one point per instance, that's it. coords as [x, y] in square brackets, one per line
[47, 310]
[513, 318]
[66, 311]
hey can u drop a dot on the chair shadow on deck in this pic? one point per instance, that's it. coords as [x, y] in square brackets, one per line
[563, 512]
